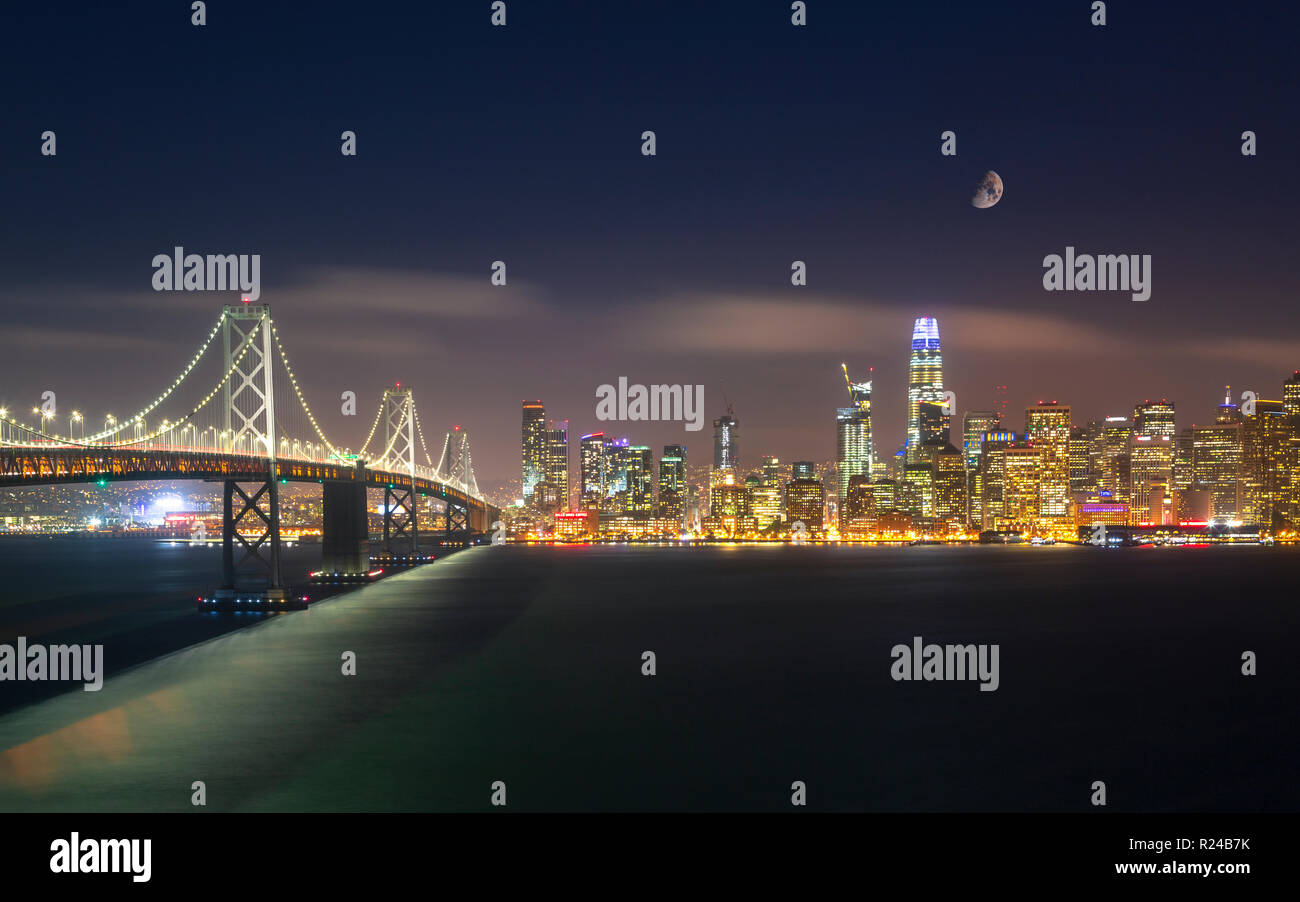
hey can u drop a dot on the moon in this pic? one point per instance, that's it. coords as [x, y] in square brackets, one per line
[988, 192]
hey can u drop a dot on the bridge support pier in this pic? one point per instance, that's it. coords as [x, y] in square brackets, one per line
[400, 527]
[261, 553]
[345, 542]
[457, 523]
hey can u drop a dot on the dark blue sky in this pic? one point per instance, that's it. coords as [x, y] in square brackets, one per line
[775, 143]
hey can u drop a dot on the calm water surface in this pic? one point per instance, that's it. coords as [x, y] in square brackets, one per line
[524, 665]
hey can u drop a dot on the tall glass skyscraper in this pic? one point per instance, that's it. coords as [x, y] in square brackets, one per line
[535, 452]
[1047, 427]
[591, 464]
[924, 379]
[672, 482]
[726, 442]
[557, 461]
[853, 440]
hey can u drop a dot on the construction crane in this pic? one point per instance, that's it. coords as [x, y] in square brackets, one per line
[859, 392]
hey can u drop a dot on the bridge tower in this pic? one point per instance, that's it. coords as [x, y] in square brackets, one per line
[248, 398]
[457, 469]
[400, 526]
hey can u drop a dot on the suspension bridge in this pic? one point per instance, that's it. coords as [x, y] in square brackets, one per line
[237, 415]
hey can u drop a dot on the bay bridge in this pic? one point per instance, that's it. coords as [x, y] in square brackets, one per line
[238, 416]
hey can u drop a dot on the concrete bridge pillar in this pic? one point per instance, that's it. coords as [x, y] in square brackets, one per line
[345, 542]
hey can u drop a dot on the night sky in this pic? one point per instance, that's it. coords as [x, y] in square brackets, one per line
[775, 143]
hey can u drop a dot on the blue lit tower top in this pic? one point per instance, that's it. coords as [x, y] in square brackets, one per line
[925, 334]
[925, 379]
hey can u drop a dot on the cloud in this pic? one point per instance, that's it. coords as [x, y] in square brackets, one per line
[42, 340]
[352, 290]
[806, 323]
[811, 323]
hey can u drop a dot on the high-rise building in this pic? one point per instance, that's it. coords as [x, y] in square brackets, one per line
[640, 482]
[1109, 458]
[917, 489]
[1228, 411]
[803, 469]
[728, 500]
[992, 477]
[1291, 397]
[974, 424]
[557, 461]
[1266, 471]
[935, 423]
[1082, 484]
[855, 453]
[1151, 463]
[726, 442]
[1216, 462]
[859, 510]
[766, 497]
[534, 447]
[924, 379]
[672, 482]
[1025, 465]
[804, 500]
[617, 459]
[949, 469]
[1183, 474]
[1047, 427]
[591, 466]
[1154, 418]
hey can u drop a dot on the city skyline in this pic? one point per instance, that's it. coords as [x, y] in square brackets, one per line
[929, 390]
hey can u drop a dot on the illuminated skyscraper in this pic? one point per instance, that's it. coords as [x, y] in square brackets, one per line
[804, 500]
[1266, 477]
[924, 379]
[1216, 461]
[949, 468]
[1183, 473]
[1047, 427]
[1082, 483]
[767, 496]
[973, 426]
[640, 481]
[1025, 464]
[616, 464]
[935, 423]
[591, 465]
[534, 447]
[1151, 463]
[1108, 456]
[859, 510]
[854, 450]
[992, 478]
[672, 482]
[1291, 397]
[557, 461]
[726, 442]
[1154, 418]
